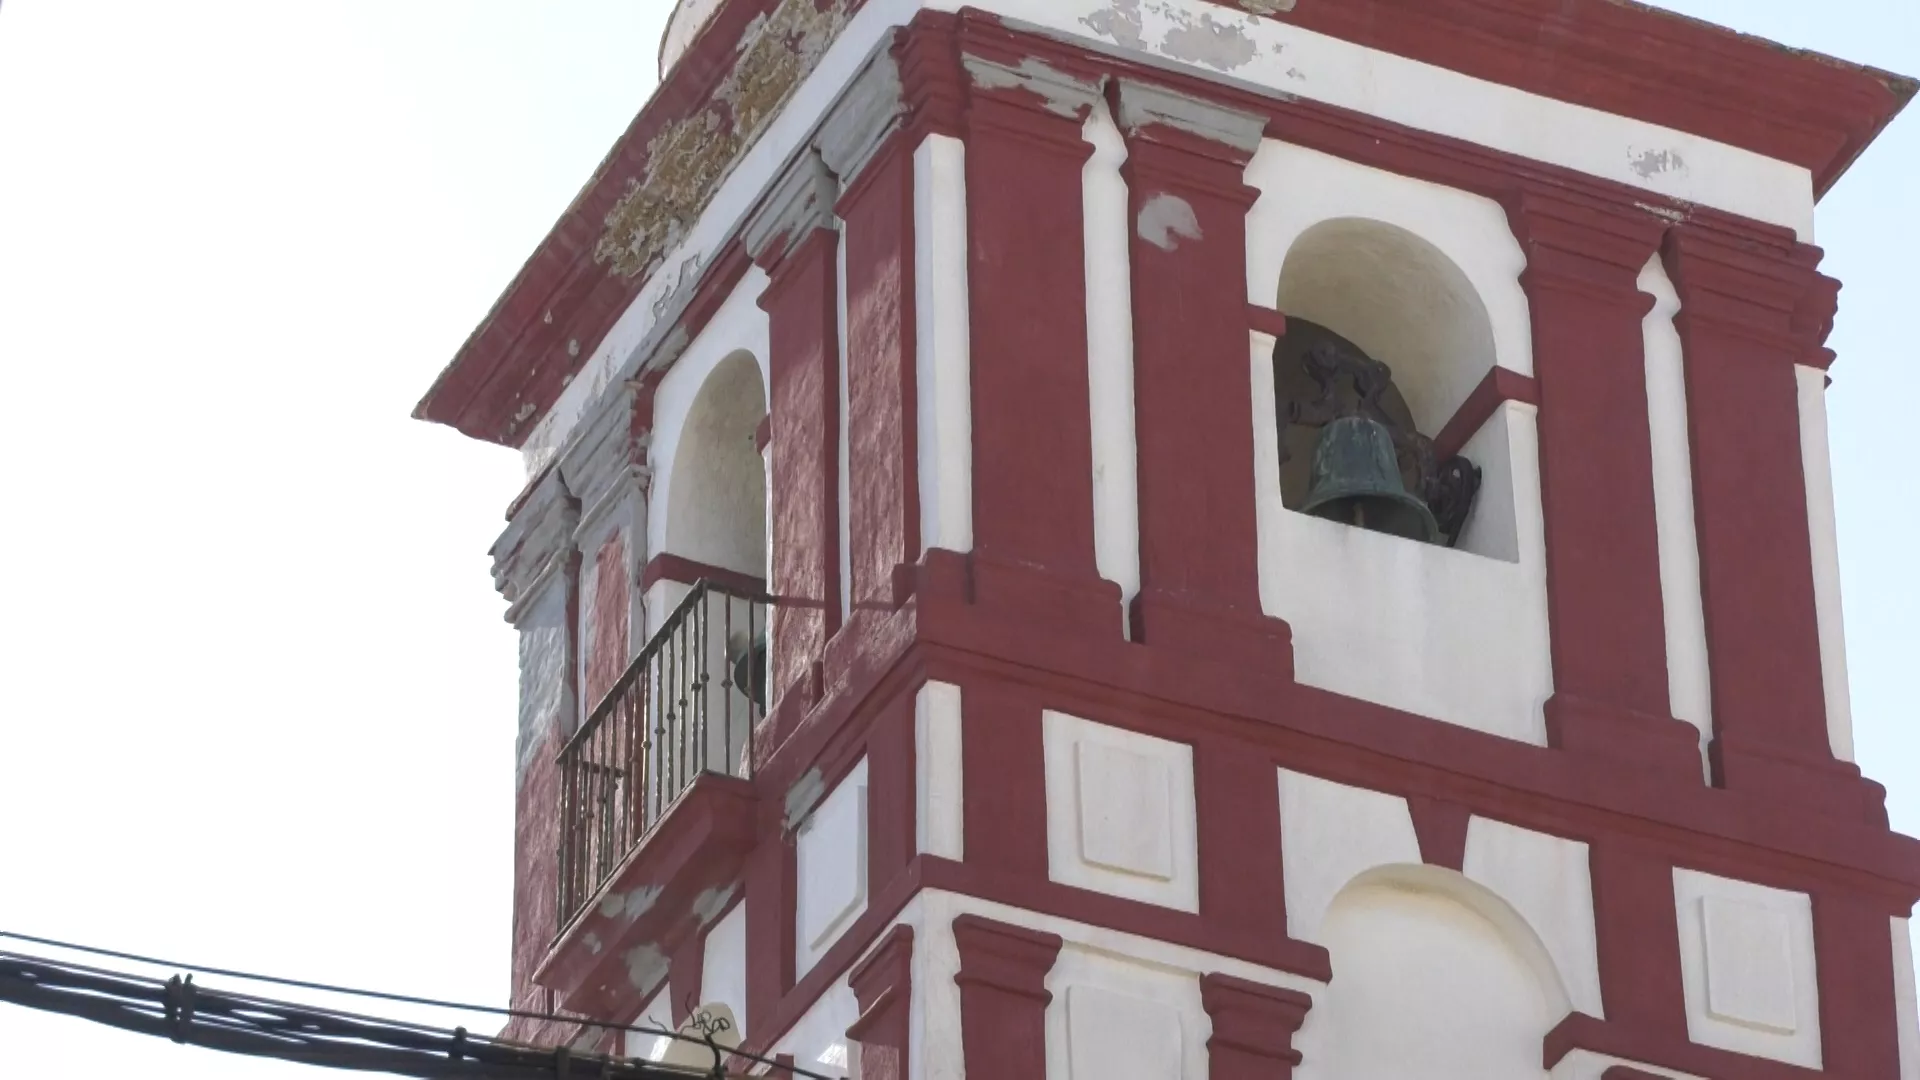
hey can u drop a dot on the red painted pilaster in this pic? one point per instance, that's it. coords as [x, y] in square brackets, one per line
[1032, 425]
[883, 985]
[793, 242]
[1242, 876]
[771, 889]
[1584, 259]
[1853, 943]
[883, 510]
[1637, 934]
[1003, 768]
[1003, 996]
[1199, 548]
[1253, 1028]
[1748, 314]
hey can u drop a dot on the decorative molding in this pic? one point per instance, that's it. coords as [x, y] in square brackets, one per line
[883, 985]
[690, 157]
[1145, 110]
[863, 119]
[1253, 1027]
[800, 202]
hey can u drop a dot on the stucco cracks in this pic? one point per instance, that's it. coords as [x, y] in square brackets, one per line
[688, 159]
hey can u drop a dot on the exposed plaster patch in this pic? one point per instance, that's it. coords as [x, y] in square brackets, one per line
[802, 796]
[594, 945]
[631, 904]
[1120, 23]
[1166, 220]
[646, 966]
[712, 904]
[1223, 46]
[1648, 164]
[687, 159]
[1671, 214]
[1266, 7]
[1060, 93]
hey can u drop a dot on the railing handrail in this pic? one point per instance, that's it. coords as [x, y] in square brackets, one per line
[655, 643]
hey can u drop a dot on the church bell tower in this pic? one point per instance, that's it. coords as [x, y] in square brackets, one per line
[1196, 540]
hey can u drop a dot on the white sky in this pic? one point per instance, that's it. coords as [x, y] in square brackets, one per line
[258, 694]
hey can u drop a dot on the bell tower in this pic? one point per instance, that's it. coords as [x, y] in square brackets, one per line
[1202, 540]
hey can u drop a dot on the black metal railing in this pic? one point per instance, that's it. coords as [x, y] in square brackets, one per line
[687, 705]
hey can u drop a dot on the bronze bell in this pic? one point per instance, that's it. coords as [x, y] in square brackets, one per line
[750, 669]
[1356, 481]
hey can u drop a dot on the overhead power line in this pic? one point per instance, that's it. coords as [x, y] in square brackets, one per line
[185, 1012]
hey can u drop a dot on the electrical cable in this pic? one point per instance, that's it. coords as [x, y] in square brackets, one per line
[405, 999]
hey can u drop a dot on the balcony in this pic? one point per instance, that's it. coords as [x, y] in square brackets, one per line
[686, 708]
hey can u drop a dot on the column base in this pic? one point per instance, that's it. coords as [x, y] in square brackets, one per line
[1824, 785]
[1081, 603]
[1165, 619]
[1665, 749]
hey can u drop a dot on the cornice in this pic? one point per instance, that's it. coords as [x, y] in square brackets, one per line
[1610, 55]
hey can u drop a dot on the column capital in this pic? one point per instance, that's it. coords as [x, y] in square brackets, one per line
[1003, 957]
[867, 114]
[1772, 294]
[799, 203]
[1253, 1026]
[883, 985]
[1153, 114]
[1585, 244]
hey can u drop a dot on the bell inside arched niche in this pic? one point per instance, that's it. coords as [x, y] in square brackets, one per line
[1349, 450]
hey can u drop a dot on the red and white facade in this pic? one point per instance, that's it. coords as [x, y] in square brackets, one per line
[1085, 755]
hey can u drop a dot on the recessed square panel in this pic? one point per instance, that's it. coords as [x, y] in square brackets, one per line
[1126, 811]
[1120, 812]
[1749, 964]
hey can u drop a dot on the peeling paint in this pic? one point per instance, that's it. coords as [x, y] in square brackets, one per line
[712, 904]
[646, 966]
[631, 904]
[802, 796]
[594, 944]
[1223, 46]
[1671, 214]
[1648, 164]
[1165, 220]
[1060, 93]
[1121, 24]
[686, 160]
[1266, 7]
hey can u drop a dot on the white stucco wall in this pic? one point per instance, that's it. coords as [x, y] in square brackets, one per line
[1120, 812]
[1823, 530]
[1120, 1002]
[1447, 974]
[943, 381]
[1278, 56]
[831, 869]
[1458, 635]
[1109, 239]
[723, 967]
[939, 793]
[1689, 690]
[1906, 999]
[1748, 966]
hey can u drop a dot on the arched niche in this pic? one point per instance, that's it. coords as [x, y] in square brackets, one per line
[1379, 297]
[717, 494]
[1433, 976]
[1401, 300]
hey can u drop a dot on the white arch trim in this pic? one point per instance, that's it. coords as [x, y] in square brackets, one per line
[1533, 887]
[738, 326]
